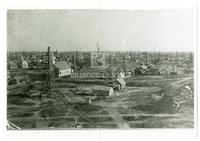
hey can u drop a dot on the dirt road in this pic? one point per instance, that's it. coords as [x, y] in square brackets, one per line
[117, 117]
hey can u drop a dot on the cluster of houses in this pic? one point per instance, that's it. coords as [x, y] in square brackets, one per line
[21, 64]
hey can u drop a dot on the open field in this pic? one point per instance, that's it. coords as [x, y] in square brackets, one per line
[132, 107]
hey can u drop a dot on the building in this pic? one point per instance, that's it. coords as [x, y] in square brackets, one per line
[122, 83]
[120, 73]
[62, 68]
[24, 63]
[165, 70]
[53, 60]
[103, 91]
[12, 65]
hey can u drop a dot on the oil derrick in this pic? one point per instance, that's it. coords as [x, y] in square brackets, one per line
[75, 69]
[148, 59]
[50, 73]
[125, 64]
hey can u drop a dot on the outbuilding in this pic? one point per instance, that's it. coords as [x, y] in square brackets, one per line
[24, 64]
[102, 91]
[12, 65]
[62, 69]
[121, 83]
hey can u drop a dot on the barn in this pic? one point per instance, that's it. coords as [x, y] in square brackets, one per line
[102, 91]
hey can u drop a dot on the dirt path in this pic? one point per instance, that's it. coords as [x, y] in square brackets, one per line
[117, 118]
[177, 84]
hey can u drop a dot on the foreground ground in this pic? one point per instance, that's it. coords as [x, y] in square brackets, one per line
[136, 106]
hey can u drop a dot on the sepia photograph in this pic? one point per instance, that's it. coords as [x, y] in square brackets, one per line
[100, 69]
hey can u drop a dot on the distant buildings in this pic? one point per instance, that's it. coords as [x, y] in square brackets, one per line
[168, 70]
[62, 68]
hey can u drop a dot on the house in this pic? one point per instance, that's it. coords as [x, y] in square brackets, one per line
[62, 69]
[103, 91]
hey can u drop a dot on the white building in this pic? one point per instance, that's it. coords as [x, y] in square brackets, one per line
[63, 69]
[122, 83]
[24, 63]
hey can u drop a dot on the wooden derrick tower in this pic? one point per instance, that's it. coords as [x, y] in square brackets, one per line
[50, 79]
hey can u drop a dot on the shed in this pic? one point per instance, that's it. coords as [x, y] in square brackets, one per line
[102, 91]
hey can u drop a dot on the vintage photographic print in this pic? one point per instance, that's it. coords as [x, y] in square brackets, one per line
[100, 69]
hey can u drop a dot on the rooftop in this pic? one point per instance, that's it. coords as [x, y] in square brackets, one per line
[62, 65]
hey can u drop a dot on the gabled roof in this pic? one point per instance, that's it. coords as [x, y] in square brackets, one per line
[62, 65]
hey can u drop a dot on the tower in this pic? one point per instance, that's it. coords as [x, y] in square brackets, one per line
[74, 61]
[50, 72]
[57, 55]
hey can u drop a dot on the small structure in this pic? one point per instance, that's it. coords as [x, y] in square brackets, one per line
[165, 70]
[103, 91]
[62, 68]
[122, 83]
[12, 65]
[120, 73]
[186, 92]
[53, 60]
[24, 63]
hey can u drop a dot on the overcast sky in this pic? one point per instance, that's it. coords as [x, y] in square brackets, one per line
[114, 30]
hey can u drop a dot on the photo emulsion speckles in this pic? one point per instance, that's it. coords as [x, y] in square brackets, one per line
[100, 69]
